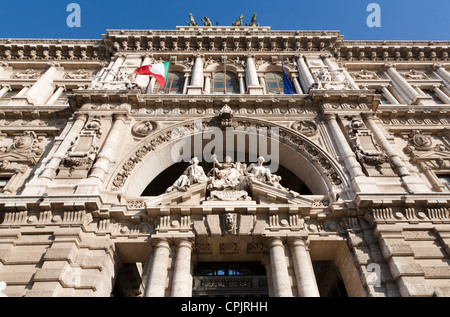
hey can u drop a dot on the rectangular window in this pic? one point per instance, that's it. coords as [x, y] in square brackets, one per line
[3, 182]
[383, 100]
[445, 180]
[7, 97]
[62, 100]
[433, 95]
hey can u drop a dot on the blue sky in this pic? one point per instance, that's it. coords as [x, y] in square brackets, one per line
[400, 19]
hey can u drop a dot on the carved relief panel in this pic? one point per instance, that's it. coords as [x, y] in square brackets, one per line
[81, 156]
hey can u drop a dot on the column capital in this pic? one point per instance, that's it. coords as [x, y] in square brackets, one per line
[160, 243]
[301, 241]
[326, 55]
[184, 242]
[437, 65]
[120, 116]
[6, 86]
[54, 64]
[275, 241]
[330, 117]
[387, 66]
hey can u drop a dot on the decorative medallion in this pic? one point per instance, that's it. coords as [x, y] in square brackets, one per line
[308, 128]
[145, 128]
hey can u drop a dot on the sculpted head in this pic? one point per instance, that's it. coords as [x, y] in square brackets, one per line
[261, 160]
[194, 161]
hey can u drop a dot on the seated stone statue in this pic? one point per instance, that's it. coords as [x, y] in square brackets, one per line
[224, 175]
[259, 172]
[192, 175]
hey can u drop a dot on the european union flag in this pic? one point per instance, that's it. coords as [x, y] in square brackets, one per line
[287, 83]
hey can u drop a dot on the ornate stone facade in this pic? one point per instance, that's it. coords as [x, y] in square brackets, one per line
[93, 202]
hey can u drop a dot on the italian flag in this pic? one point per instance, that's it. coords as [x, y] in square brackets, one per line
[159, 71]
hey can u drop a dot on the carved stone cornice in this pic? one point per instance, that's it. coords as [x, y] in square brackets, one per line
[46, 49]
[412, 51]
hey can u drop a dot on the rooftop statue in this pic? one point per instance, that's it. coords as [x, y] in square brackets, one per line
[239, 21]
[206, 21]
[253, 22]
[192, 21]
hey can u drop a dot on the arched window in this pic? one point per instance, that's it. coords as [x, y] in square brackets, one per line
[274, 83]
[174, 84]
[222, 83]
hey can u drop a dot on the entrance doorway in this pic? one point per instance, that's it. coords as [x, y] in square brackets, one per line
[230, 279]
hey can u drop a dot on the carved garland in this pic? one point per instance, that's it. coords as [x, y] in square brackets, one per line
[286, 136]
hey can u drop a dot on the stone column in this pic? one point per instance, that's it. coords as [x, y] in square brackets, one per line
[56, 95]
[241, 77]
[400, 82]
[396, 161]
[4, 90]
[389, 96]
[23, 91]
[187, 77]
[112, 73]
[348, 156]
[109, 149]
[306, 79]
[297, 86]
[43, 89]
[253, 86]
[280, 275]
[196, 86]
[306, 280]
[55, 161]
[143, 80]
[182, 278]
[332, 67]
[445, 99]
[207, 89]
[156, 286]
[442, 73]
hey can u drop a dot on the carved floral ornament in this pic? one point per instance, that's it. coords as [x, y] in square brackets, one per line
[298, 142]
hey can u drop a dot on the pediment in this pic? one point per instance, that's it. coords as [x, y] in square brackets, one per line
[194, 195]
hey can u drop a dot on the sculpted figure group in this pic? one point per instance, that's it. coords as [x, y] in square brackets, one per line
[207, 22]
[227, 175]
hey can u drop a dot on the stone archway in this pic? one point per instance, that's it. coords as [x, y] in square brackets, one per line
[308, 161]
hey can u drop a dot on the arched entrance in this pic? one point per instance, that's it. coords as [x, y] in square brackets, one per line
[316, 168]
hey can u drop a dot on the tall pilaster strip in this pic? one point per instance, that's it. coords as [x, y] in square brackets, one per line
[306, 79]
[381, 139]
[109, 150]
[348, 156]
